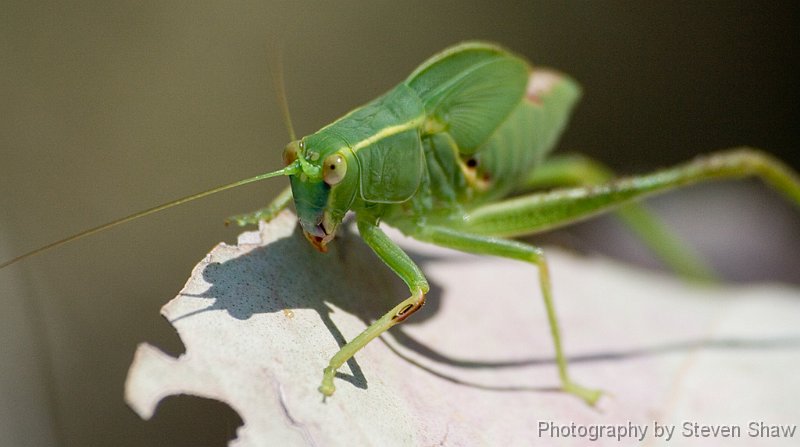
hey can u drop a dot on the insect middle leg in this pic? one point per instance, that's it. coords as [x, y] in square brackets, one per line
[394, 257]
[478, 244]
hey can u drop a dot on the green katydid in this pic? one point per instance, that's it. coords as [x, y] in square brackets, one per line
[452, 156]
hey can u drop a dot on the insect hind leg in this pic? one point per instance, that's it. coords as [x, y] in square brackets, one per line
[575, 170]
[477, 244]
[533, 213]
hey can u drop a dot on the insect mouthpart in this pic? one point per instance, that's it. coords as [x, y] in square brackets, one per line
[318, 237]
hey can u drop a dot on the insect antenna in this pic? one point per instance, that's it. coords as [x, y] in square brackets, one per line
[276, 74]
[288, 170]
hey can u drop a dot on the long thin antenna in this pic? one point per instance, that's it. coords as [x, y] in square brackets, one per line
[289, 170]
[276, 73]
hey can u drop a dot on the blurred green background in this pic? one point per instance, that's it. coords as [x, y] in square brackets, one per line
[108, 107]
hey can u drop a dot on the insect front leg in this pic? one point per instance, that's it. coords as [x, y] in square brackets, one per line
[394, 257]
[267, 213]
[505, 248]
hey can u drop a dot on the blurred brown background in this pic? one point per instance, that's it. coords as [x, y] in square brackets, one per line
[108, 107]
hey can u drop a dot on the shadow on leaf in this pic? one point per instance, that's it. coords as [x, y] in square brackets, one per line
[288, 274]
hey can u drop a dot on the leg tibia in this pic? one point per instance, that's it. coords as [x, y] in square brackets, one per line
[514, 250]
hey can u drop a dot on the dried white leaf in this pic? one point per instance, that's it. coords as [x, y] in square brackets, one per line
[474, 367]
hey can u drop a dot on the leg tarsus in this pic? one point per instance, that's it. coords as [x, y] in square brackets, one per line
[590, 396]
[398, 314]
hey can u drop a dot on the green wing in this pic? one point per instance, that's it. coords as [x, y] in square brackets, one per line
[469, 90]
[531, 131]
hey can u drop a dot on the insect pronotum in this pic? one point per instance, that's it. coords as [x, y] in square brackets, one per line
[452, 156]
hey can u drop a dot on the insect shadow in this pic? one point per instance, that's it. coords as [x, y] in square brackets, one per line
[288, 274]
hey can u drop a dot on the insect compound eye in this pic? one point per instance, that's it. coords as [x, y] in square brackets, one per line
[334, 168]
[290, 153]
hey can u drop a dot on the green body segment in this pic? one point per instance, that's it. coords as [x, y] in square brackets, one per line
[383, 134]
[462, 130]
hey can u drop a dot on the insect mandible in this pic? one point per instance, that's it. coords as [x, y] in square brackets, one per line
[454, 156]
